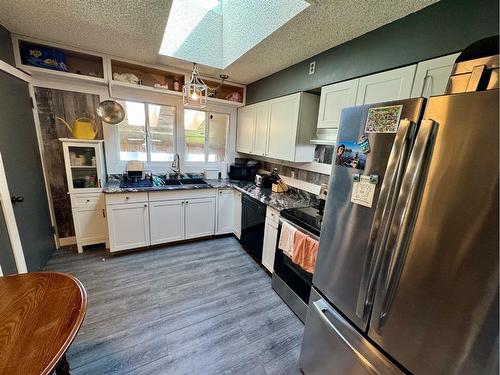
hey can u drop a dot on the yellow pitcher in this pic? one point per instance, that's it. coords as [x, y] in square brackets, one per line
[83, 128]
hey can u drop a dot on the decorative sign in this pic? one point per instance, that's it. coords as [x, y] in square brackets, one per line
[363, 190]
[383, 119]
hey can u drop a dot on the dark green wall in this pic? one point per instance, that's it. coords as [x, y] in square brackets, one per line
[440, 29]
[6, 53]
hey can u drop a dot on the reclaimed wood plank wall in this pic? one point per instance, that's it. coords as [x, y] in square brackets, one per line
[69, 106]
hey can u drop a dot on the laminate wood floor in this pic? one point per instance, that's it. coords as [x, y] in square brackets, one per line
[195, 308]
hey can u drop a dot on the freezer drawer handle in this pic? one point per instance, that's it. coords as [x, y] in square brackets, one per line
[404, 218]
[384, 211]
[323, 309]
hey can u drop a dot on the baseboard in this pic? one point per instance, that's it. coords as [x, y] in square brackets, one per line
[67, 241]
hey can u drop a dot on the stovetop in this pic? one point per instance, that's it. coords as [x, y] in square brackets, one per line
[309, 218]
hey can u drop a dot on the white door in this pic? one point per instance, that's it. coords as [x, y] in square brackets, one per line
[245, 129]
[269, 247]
[237, 214]
[261, 128]
[432, 76]
[283, 122]
[128, 226]
[166, 220]
[90, 224]
[225, 202]
[333, 99]
[200, 217]
[382, 87]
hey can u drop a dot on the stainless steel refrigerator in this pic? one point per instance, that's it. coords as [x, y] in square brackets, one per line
[411, 284]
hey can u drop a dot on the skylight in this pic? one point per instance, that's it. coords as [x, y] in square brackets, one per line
[218, 32]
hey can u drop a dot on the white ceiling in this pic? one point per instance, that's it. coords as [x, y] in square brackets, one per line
[134, 29]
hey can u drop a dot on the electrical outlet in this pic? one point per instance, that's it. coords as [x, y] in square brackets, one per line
[312, 67]
[292, 174]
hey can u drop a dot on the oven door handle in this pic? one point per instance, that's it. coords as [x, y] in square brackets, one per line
[300, 229]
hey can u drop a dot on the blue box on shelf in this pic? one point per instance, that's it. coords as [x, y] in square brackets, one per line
[43, 57]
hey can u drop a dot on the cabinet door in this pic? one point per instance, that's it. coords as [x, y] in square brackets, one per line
[432, 76]
[382, 87]
[166, 221]
[237, 214]
[128, 226]
[333, 99]
[269, 248]
[90, 224]
[84, 166]
[200, 217]
[245, 129]
[283, 121]
[225, 203]
[261, 128]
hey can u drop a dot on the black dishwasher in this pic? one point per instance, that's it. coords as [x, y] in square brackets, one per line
[253, 219]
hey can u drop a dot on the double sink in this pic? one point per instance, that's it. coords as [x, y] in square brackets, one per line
[163, 181]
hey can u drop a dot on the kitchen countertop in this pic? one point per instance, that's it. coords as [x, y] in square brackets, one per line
[293, 198]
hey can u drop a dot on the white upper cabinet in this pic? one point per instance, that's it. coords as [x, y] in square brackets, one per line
[386, 86]
[432, 76]
[284, 113]
[261, 128]
[246, 129]
[280, 128]
[333, 99]
[292, 125]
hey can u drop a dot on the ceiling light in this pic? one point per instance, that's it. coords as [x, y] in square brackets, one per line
[195, 92]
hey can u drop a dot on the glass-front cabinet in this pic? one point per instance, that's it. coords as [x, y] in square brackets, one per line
[84, 165]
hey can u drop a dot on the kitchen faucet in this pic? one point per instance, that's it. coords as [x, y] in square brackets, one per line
[176, 165]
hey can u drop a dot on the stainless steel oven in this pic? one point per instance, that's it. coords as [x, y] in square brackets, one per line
[291, 282]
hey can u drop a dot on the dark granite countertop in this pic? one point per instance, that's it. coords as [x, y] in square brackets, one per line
[293, 198]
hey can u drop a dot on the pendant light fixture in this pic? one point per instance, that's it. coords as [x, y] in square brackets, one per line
[195, 92]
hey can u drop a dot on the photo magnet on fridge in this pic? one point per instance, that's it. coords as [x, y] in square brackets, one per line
[350, 154]
[383, 119]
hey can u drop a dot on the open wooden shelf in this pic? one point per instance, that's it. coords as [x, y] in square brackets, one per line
[225, 90]
[78, 63]
[148, 76]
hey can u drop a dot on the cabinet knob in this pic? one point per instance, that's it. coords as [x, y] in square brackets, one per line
[127, 197]
[145, 205]
[88, 200]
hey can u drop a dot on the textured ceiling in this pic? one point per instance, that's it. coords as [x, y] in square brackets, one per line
[134, 29]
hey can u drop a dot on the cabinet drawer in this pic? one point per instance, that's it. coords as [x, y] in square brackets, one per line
[121, 198]
[90, 201]
[156, 196]
[273, 214]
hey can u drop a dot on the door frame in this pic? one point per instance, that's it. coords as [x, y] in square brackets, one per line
[10, 220]
[13, 71]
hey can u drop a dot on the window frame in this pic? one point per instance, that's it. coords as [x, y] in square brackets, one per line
[207, 134]
[111, 134]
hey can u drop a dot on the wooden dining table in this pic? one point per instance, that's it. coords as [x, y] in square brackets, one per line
[40, 315]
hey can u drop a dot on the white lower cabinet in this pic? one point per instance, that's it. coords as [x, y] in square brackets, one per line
[237, 214]
[225, 216]
[166, 221]
[199, 217]
[269, 247]
[128, 225]
[89, 218]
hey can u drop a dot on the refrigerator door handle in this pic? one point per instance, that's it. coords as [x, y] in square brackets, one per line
[383, 214]
[322, 309]
[403, 220]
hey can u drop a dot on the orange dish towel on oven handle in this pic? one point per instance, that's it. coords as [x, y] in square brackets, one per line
[305, 251]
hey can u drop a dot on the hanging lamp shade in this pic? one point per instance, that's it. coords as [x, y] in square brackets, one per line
[194, 93]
